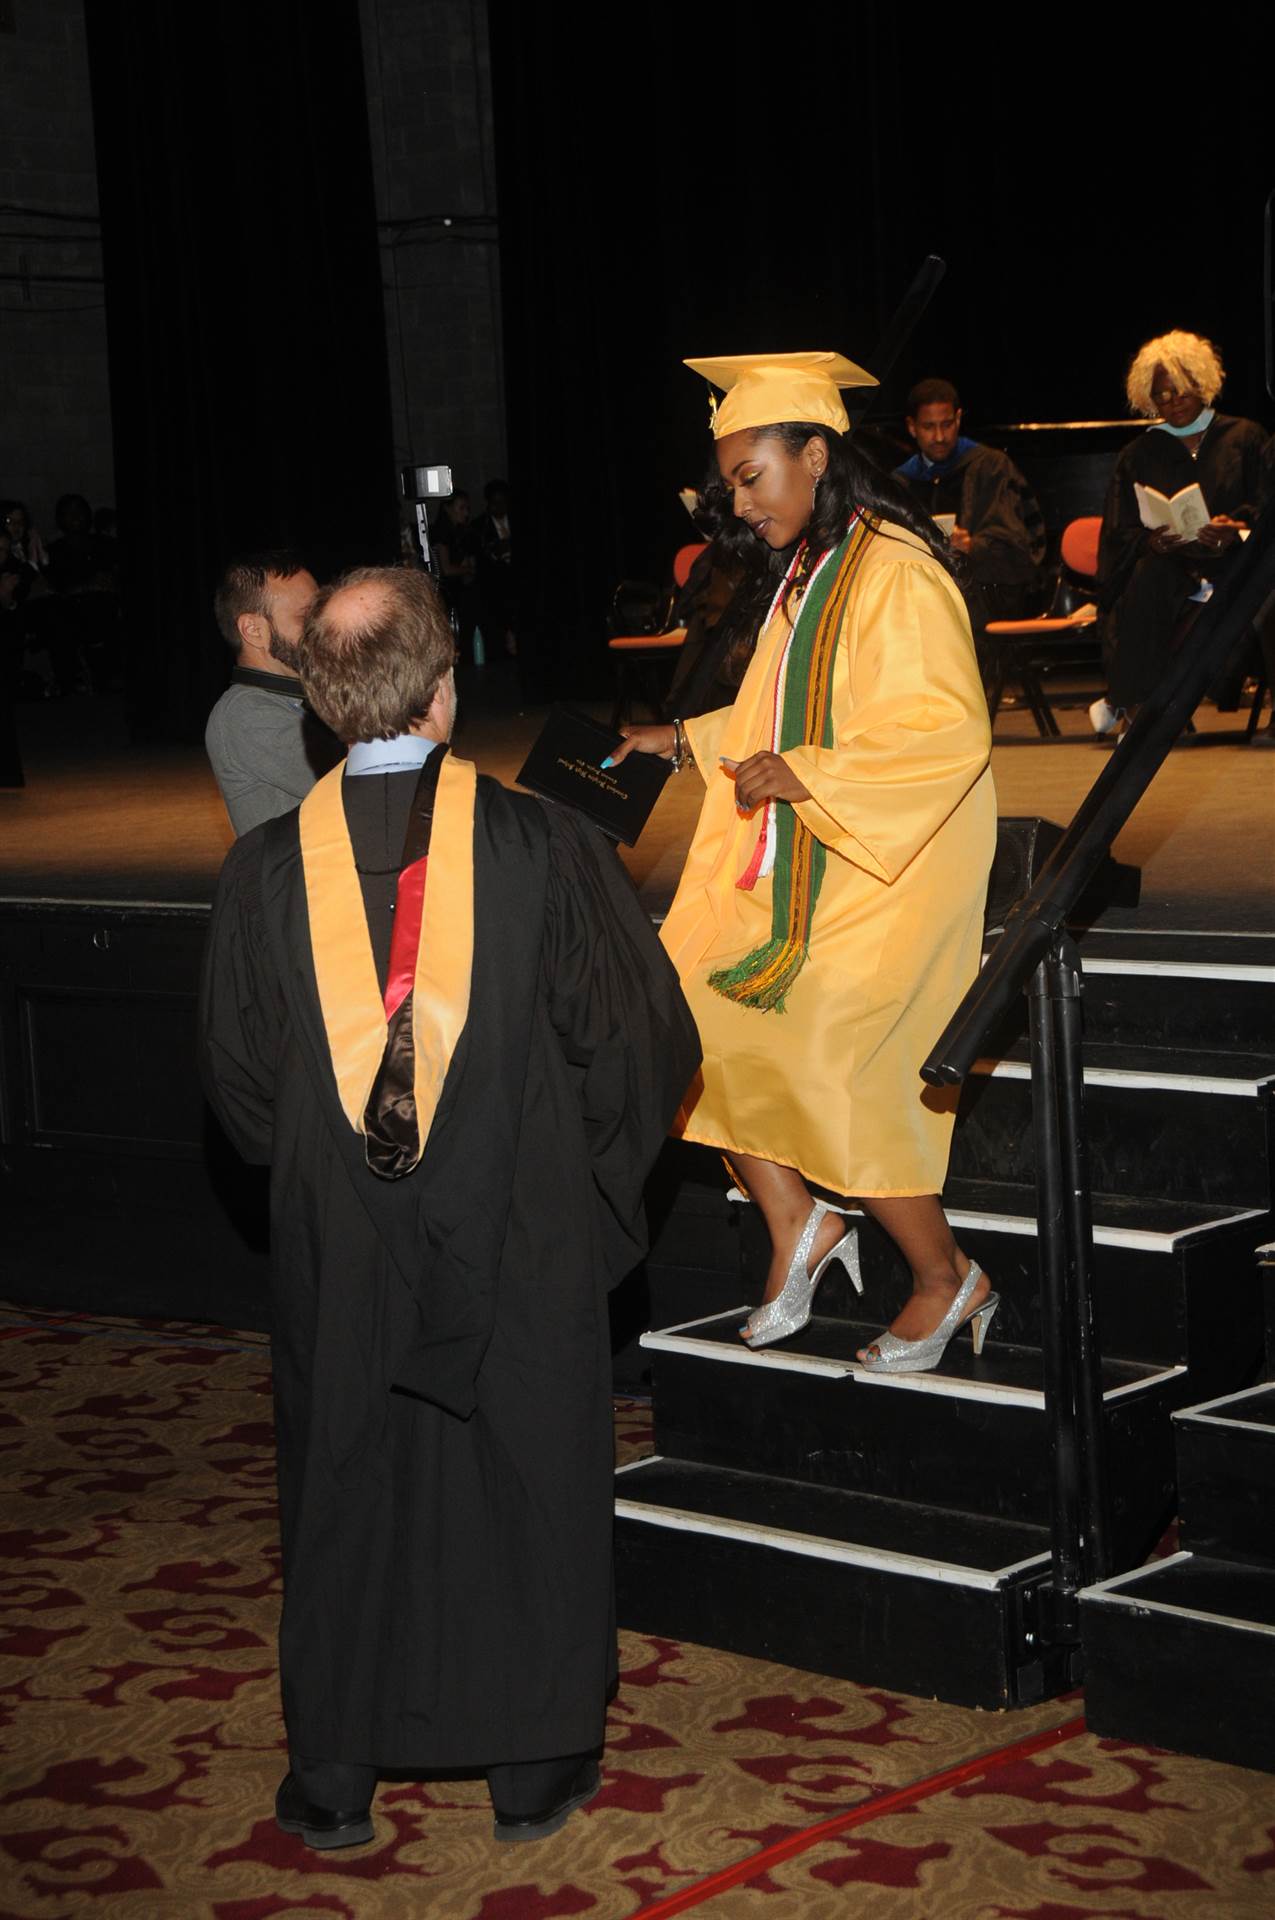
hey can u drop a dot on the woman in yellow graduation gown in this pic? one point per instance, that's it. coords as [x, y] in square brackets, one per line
[830, 914]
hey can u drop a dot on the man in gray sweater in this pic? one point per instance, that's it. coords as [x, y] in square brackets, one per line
[267, 749]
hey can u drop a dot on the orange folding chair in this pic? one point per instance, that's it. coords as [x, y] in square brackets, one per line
[642, 657]
[1024, 648]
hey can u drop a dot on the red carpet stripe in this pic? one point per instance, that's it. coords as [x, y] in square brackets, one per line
[757, 1863]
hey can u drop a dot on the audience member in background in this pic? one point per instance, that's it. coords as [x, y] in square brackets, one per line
[13, 590]
[497, 606]
[455, 540]
[982, 502]
[80, 624]
[17, 576]
[267, 749]
[24, 541]
[1151, 584]
[80, 561]
[25, 639]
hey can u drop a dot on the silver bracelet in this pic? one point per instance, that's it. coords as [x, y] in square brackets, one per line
[681, 750]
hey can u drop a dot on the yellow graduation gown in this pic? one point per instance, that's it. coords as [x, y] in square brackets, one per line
[904, 803]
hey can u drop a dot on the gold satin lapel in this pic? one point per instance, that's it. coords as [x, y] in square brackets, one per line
[344, 967]
[444, 960]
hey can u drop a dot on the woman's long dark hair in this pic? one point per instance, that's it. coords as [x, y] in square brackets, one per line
[849, 481]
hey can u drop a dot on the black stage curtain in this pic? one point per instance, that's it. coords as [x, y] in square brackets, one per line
[697, 185]
[249, 384]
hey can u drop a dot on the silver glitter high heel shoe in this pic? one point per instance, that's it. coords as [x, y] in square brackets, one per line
[789, 1311]
[921, 1356]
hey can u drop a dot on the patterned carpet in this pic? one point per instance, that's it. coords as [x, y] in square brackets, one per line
[143, 1743]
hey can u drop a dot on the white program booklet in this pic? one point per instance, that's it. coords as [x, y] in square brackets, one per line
[1184, 514]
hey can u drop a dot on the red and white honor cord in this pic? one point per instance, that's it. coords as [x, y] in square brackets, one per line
[763, 855]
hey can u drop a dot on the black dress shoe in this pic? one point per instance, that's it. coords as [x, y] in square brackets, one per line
[320, 1826]
[584, 1783]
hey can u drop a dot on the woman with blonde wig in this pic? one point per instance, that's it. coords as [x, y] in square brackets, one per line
[1151, 583]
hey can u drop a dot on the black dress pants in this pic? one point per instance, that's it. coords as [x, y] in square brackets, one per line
[519, 1788]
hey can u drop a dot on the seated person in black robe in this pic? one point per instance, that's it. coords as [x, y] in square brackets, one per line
[996, 520]
[439, 1013]
[1151, 584]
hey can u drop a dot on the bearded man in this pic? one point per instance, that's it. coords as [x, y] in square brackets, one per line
[266, 747]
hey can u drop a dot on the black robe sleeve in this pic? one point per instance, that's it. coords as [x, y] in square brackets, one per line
[1124, 538]
[1007, 532]
[239, 1007]
[622, 1023]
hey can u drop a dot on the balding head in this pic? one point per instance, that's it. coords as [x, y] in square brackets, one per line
[361, 604]
[376, 649]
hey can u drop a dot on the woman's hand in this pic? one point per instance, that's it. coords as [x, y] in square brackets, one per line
[1165, 541]
[642, 740]
[764, 776]
[1220, 532]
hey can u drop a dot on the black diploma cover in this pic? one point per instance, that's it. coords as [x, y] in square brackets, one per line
[565, 764]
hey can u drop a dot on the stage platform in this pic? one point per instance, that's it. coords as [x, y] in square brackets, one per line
[100, 820]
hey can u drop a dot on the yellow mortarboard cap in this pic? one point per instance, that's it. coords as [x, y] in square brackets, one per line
[766, 389]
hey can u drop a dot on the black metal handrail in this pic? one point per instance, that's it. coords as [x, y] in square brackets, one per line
[1036, 919]
[1036, 950]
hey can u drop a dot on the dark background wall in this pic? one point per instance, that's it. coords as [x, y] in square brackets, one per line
[694, 185]
[433, 159]
[56, 409]
[707, 190]
[247, 345]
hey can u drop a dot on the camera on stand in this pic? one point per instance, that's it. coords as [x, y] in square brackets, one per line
[422, 485]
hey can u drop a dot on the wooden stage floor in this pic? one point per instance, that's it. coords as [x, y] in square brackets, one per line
[99, 820]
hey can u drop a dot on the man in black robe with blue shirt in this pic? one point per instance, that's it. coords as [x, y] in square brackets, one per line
[987, 509]
[438, 1011]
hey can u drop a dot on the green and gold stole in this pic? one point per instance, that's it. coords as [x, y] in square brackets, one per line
[764, 977]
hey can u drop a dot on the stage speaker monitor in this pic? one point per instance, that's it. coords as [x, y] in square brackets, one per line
[1022, 848]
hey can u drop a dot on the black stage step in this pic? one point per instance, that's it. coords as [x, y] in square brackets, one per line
[1182, 1655]
[884, 1591]
[1197, 1132]
[1174, 1278]
[970, 1436]
[1174, 990]
[1226, 1477]
[812, 1512]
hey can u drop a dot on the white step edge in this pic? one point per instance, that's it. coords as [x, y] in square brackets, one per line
[677, 1340]
[811, 1546]
[1138, 1239]
[990, 1391]
[63, 900]
[1181, 933]
[1185, 969]
[1141, 1239]
[1107, 1593]
[1134, 1078]
[681, 1339]
[644, 1460]
[1204, 1412]
[1101, 1588]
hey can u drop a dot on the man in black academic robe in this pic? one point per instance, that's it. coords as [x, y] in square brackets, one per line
[996, 520]
[458, 1121]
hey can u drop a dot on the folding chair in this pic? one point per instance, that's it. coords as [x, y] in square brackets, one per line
[642, 657]
[1024, 648]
